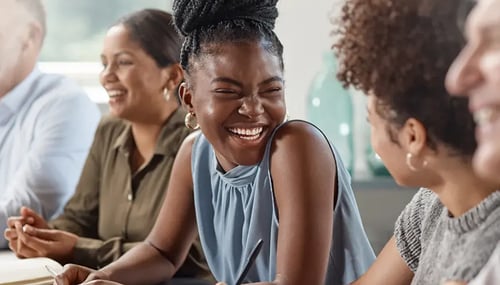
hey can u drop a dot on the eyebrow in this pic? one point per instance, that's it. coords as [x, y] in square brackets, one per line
[118, 54]
[239, 84]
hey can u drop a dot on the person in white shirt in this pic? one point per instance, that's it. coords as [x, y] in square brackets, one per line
[47, 122]
[476, 73]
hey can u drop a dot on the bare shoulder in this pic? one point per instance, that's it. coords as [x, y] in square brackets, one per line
[300, 138]
[183, 158]
[187, 144]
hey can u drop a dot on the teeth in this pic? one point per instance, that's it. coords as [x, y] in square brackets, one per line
[485, 115]
[249, 133]
[115, 93]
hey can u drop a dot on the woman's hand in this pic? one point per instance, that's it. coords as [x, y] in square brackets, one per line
[76, 274]
[35, 242]
[27, 217]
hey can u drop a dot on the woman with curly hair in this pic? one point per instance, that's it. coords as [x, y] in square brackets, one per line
[248, 175]
[398, 53]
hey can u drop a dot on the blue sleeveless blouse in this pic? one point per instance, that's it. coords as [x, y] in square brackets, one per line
[237, 208]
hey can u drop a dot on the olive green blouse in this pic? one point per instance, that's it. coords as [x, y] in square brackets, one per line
[113, 209]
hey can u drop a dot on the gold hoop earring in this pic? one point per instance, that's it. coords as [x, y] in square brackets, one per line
[190, 121]
[409, 163]
[166, 94]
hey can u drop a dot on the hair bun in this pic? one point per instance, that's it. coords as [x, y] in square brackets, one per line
[190, 15]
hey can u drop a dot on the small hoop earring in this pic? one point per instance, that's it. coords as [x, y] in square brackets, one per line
[166, 94]
[191, 122]
[409, 162]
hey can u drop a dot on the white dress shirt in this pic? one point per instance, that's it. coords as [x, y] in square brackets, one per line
[47, 125]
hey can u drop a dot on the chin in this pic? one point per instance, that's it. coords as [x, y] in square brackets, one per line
[487, 161]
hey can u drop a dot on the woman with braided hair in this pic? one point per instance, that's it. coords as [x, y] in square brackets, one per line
[248, 175]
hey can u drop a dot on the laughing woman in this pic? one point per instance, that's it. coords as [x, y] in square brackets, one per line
[247, 176]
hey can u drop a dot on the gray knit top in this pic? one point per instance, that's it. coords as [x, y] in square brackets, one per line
[440, 248]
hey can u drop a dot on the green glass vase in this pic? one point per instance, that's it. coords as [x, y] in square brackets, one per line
[329, 106]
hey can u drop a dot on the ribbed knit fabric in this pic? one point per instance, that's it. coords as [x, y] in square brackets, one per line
[438, 247]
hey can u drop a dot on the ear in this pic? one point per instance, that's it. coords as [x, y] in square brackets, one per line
[413, 136]
[34, 37]
[186, 96]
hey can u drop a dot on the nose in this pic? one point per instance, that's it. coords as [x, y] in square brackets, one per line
[251, 107]
[108, 74]
[464, 74]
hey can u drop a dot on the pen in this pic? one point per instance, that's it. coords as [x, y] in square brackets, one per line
[251, 259]
[52, 272]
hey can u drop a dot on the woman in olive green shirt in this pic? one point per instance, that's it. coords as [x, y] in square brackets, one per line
[123, 182]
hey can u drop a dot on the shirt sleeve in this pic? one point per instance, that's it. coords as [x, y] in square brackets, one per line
[81, 214]
[408, 228]
[47, 176]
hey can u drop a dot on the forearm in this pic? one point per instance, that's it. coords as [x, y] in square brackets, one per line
[96, 253]
[143, 264]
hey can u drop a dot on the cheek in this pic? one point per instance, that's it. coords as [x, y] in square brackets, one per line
[276, 110]
[490, 67]
[487, 160]
[379, 141]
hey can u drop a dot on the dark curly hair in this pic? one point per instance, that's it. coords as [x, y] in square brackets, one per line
[400, 52]
[205, 23]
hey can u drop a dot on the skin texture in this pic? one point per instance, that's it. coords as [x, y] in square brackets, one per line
[245, 98]
[129, 69]
[476, 73]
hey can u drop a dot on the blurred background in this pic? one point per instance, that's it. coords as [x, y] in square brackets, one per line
[76, 29]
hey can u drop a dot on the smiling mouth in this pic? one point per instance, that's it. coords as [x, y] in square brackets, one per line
[248, 134]
[115, 93]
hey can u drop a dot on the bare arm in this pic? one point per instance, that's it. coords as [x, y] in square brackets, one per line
[303, 171]
[388, 269]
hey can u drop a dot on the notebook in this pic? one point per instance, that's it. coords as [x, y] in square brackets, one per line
[29, 271]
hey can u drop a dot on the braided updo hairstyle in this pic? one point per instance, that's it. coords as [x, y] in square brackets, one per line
[400, 52]
[204, 23]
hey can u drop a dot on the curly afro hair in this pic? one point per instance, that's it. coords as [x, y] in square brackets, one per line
[205, 22]
[400, 52]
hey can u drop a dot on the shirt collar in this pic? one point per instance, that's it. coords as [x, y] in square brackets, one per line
[12, 102]
[164, 145]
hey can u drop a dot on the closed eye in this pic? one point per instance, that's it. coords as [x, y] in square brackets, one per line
[275, 91]
[225, 91]
[124, 62]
